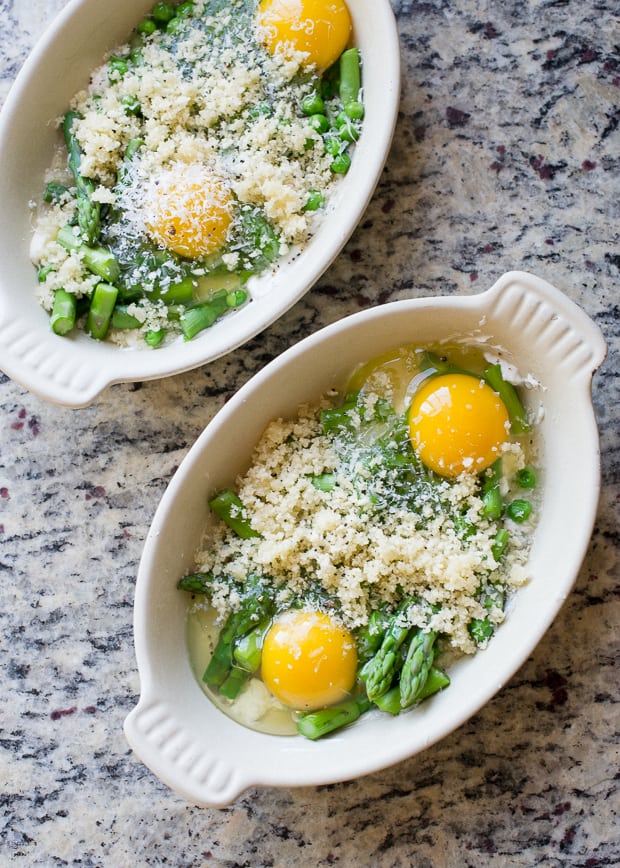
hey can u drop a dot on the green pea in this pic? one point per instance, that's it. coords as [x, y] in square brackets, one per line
[319, 123]
[131, 105]
[324, 482]
[153, 338]
[354, 110]
[526, 477]
[261, 108]
[162, 13]
[147, 26]
[346, 128]
[341, 164]
[312, 104]
[331, 145]
[314, 201]
[117, 68]
[174, 25]
[519, 510]
[184, 10]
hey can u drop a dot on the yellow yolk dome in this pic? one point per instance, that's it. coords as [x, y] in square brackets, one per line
[309, 660]
[318, 28]
[188, 210]
[457, 423]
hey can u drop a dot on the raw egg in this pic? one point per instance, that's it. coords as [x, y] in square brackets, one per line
[457, 423]
[188, 210]
[309, 659]
[318, 28]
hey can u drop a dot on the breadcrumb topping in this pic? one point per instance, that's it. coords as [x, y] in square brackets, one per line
[360, 554]
[210, 96]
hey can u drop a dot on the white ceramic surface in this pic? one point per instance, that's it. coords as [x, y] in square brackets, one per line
[204, 755]
[73, 371]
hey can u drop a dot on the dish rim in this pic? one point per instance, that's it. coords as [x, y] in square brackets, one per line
[73, 371]
[581, 349]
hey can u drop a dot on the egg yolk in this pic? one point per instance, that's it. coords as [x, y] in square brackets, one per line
[318, 28]
[309, 660]
[188, 210]
[457, 423]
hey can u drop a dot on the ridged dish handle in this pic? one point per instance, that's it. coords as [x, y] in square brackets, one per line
[540, 313]
[43, 365]
[162, 741]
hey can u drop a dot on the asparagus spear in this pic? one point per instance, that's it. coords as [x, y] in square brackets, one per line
[337, 419]
[507, 392]
[255, 608]
[234, 682]
[202, 315]
[221, 661]
[101, 309]
[390, 701]
[227, 506]
[153, 337]
[196, 583]
[502, 538]
[369, 638]
[54, 192]
[480, 630]
[379, 672]
[324, 482]
[133, 146]
[89, 217]
[63, 312]
[435, 682]
[177, 293]
[350, 85]
[99, 260]
[122, 319]
[316, 724]
[237, 655]
[416, 667]
[350, 75]
[491, 595]
[491, 496]
[249, 648]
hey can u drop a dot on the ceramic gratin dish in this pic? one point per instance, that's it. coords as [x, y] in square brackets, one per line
[210, 759]
[72, 371]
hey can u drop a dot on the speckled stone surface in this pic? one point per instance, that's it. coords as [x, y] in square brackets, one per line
[507, 155]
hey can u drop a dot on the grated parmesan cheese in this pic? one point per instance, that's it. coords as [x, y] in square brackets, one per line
[197, 96]
[359, 555]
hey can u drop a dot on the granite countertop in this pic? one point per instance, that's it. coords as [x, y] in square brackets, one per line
[506, 156]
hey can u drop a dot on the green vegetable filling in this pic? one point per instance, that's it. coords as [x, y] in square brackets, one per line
[401, 647]
[158, 280]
